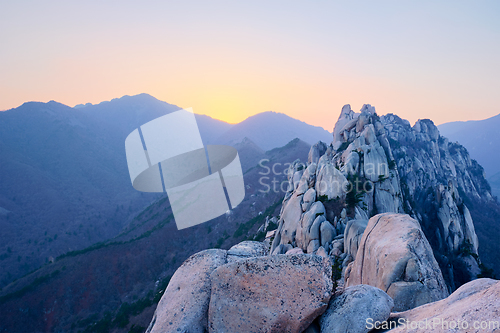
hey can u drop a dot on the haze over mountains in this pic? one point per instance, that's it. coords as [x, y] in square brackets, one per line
[267, 129]
[65, 174]
[270, 130]
[481, 138]
[64, 178]
[104, 286]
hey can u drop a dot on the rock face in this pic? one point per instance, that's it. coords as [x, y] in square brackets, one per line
[184, 305]
[346, 121]
[245, 250]
[395, 256]
[330, 181]
[349, 311]
[437, 178]
[474, 307]
[317, 150]
[342, 220]
[381, 164]
[282, 293]
[352, 237]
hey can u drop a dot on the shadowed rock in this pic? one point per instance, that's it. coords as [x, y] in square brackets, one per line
[395, 256]
[349, 311]
[184, 306]
[352, 237]
[246, 249]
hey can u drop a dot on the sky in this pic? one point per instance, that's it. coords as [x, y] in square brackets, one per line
[232, 59]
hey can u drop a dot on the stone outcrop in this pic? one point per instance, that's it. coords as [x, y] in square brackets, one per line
[184, 305]
[474, 307]
[437, 178]
[395, 256]
[245, 250]
[245, 290]
[317, 150]
[282, 293]
[330, 181]
[352, 237]
[349, 311]
[354, 167]
[381, 164]
[342, 226]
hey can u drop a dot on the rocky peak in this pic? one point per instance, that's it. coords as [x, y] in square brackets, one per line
[347, 115]
[368, 109]
[427, 128]
[343, 248]
[379, 165]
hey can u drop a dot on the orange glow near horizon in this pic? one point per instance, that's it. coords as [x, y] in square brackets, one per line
[233, 60]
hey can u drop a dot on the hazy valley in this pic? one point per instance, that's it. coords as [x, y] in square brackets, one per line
[108, 252]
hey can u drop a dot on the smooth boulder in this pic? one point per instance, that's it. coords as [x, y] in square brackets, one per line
[474, 307]
[184, 305]
[352, 236]
[350, 311]
[246, 249]
[395, 256]
[281, 293]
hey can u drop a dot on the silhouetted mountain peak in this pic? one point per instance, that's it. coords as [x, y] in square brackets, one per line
[271, 129]
[246, 142]
[134, 101]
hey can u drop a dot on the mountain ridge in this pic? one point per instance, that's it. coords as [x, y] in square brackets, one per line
[255, 127]
[65, 183]
[135, 262]
[477, 136]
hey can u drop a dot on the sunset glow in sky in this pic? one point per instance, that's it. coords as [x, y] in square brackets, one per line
[233, 59]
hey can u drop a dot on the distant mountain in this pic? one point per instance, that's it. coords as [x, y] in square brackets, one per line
[123, 115]
[481, 138]
[495, 184]
[249, 153]
[64, 182]
[270, 130]
[114, 285]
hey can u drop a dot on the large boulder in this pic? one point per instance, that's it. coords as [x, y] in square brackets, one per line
[330, 182]
[307, 180]
[474, 307]
[352, 237]
[282, 293]
[317, 150]
[310, 225]
[292, 212]
[246, 249]
[395, 256]
[184, 305]
[308, 199]
[375, 163]
[327, 232]
[351, 310]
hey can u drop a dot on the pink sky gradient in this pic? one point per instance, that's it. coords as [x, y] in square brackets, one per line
[231, 60]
